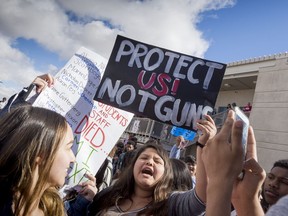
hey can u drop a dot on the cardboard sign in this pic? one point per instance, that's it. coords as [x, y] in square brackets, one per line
[160, 84]
[96, 126]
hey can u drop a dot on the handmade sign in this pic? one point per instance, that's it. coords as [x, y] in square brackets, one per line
[160, 84]
[96, 126]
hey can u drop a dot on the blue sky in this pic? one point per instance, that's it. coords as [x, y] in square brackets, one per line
[251, 28]
[41, 56]
[41, 36]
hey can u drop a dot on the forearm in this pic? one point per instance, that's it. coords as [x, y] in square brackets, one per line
[201, 178]
[248, 207]
[218, 198]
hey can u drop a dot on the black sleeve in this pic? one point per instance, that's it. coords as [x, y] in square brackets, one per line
[96, 206]
[17, 100]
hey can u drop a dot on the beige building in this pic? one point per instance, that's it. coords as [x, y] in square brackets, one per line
[261, 81]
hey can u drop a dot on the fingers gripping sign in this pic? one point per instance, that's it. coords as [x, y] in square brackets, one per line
[89, 188]
[42, 81]
[208, 129]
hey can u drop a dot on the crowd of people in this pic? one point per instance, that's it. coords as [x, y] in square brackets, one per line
[246, 108]
[36, 153]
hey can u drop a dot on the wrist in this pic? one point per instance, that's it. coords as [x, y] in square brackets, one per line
[219, 188]
[214, 182]
[199, 144]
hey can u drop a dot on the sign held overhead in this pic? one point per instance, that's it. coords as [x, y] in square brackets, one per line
[160, 84]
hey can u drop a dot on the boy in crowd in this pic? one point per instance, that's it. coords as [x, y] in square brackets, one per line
[276, 184]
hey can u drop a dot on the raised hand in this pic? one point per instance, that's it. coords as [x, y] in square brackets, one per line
[245, 196]
[42, 81]
[223, 161]
[89, 188]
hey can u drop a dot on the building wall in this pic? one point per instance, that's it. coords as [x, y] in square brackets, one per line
[240, 97]
[269, 115]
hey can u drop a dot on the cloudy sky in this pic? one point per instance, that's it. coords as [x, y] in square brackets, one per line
[40, 36]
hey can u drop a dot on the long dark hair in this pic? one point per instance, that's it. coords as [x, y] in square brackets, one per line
[124, 187]
[182, 178]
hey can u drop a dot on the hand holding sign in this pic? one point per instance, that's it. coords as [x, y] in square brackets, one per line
[72, 96]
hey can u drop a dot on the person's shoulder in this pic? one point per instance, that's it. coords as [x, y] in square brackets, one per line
[95, 206]
[174, 146]
[103, 193]
[282, 202]
[280, 208]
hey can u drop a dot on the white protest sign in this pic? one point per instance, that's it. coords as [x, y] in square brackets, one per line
[96, 126]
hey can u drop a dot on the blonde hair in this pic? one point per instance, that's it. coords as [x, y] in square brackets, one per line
[26, 133]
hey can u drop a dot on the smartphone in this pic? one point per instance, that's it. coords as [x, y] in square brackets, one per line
[241, 116]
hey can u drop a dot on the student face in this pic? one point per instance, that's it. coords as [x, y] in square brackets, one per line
[192, 168]
[148, 169]
[276, 185]
[63, 158]
[129, 147]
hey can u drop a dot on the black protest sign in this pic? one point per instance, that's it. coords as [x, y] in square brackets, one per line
[160, 84]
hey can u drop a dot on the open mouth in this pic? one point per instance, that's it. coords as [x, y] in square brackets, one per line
[147, 171]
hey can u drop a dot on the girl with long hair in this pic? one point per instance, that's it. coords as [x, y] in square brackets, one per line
[35, 155]
[146, 186]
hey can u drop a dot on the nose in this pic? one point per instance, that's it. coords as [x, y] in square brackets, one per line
[274, 183]
[149, 162]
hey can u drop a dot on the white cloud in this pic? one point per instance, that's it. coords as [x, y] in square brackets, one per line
[166, 23]
[16, 69]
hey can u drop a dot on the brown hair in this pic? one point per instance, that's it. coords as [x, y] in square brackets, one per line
[182, 180]
[124, 187]
[26, 133]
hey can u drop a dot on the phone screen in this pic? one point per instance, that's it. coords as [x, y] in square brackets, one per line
[241, 116]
